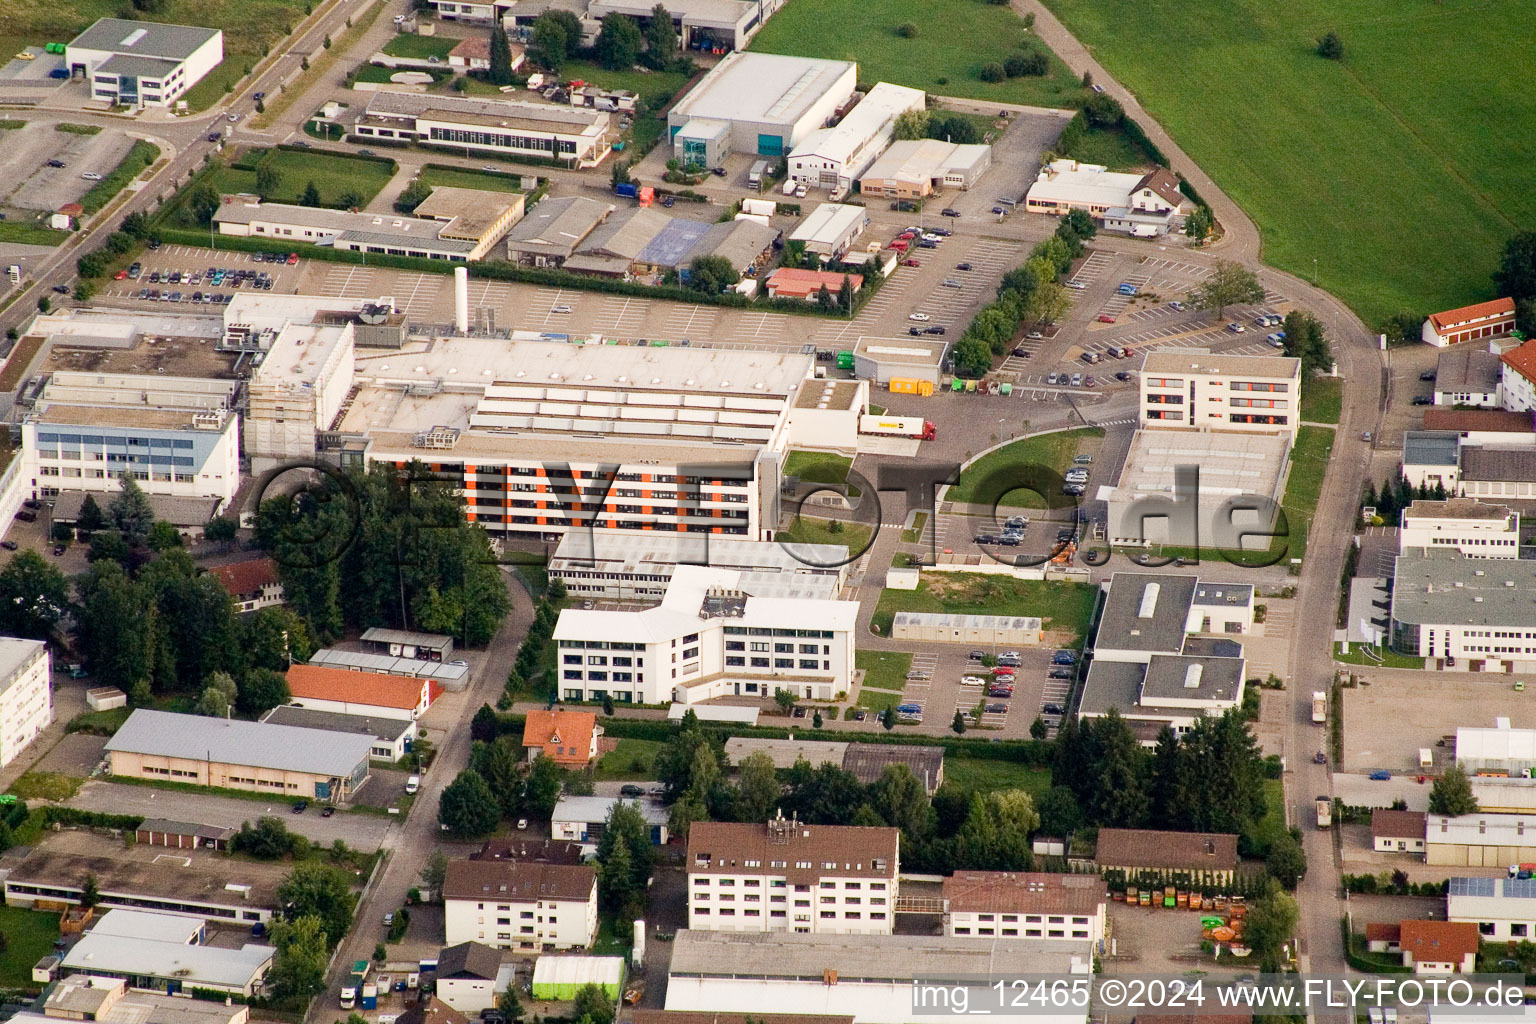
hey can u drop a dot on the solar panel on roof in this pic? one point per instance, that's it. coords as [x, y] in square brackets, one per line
[1520, 888]
[1472, 887]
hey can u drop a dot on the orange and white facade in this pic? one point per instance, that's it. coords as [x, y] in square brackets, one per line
[1494, 319]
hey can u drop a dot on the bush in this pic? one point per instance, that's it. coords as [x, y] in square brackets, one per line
[1331, 46]
[992, 72]
[907, 30]
[1021, 64]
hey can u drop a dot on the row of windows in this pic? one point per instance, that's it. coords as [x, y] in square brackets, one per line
[824, 634]
[1244, 385]
[1030, 933]
[524, 142]
[807, 664]
[128, 442]
[738, 645]
[826, 915]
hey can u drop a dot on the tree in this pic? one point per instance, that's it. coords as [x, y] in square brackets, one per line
[91, 516]
[957, 724]
[351, 199]
[549, 42]
[911, 125]
[687, 810]
[816, 719]
[268, 180]
[1059, 814]
[269, 839]
[1452, 793]
[785, 699]
[1305, 340]
[434, 873]
[972, 357]
[952, 128]
[485, 726]
[1119, 798]
[542, 790]
[499, 764]
[130, 510]
[1029, 64]
[114, 626]
[1038, 730]
[1221, 787]
[218, 695]
[625, 858]
[901, 800]
[618, 44]
[824, 297]
[321, 890]
[1516, 276]
[509, 1004]
[1331, 46]
[90, 891]
[845, 294]
[412, 196]
[711, 274]
[992, 72]
[594, 1004]
[1269, 925]
[757, 788]
[163, 536]
[888, 719]
[219, 530]
[298, 967]
[823, 795]
[136, 225]
[1103, 111]
[275, 638]
[1079, 223]
[1199, 224]
[33, 596]
[1230, 284]
[1047, 303]
[203, 201]
[501, 57]
[660, 39]
[311, 195]
[261, 690]
[468, 807]
[1286, 861]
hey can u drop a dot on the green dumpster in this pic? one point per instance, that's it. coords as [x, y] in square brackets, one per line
[845, 360]
[959, 386]
[1007, 389]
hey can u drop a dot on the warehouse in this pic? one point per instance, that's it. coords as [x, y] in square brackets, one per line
[1172, 690]
[581, 819]
[142, 63]
[1469, 613]
[866, 761]
[164, 952]
[1480, 840]
[553, 230]
[456, 238]
[912, 358]
[869, 977]
[936, 627]
[579, 135]
[834, 158]
[917, 168]
[830, 230]
[771, 102]
[449, 675]
[392, 737]
[825, 416]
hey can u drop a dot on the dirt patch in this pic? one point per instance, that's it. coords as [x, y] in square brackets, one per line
[75, 754]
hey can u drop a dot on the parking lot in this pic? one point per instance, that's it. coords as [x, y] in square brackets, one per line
[183, 274]
[27, 182]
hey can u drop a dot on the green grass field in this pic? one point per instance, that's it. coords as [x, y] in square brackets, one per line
[333, 174]
[1051, 450]
[1113, 149]
[438, 174]
[1317, 151]
[53, 786]
[30, 233]
[1309, 461]
[1386, 657]
[631, 759]
[1059, 605]
[954, 39]
[29, 935]
[816, 530]
[1322, 399]
[420, 47]
[885, 670]
[139, 157]
[982, 775]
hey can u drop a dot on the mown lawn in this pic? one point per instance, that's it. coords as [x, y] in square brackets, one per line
[994, 476]
[1385, 657]
[139, 157]
[1113, 149]
[334, 175]
[23, 233]
[29, 937]
[1322, 399]
[419, 47]
[982, 775]
[885, 670]
[631, 759]
[1316, 151]
[954, 39]
[1058, 605]
[438, 174]
[1309, 461]
[815, 530]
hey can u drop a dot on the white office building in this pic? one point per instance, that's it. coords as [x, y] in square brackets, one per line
[578, 136]
[26, 694]
[522, 905]
[1148, 613]
[1467, 526]
[834, 158]
[759, 103]
[143, 63]
[1026, 905]
[784, 876]
[1195, 389]
[176, 436]
[708, 638]
[628, 566]
[1472, 614]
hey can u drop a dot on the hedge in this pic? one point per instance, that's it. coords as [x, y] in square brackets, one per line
[1135, 133]
[92, 819]
[1188, 188]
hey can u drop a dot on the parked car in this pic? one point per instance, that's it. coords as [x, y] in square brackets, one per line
[1034, 335]
[1380, 775]
[935, 329]
[950, 212]
[1082, 460]
[799, 712]
[972, 681]
[1000, 691]
[1423, 399]
[909, 262]
[1176, 304]
[1105, 318]
[919, 317]
[90, 176]
[977, 655]
[963, 266]
[1054, 378]
[300, 806]
[1427, 375]
[950, 282]
[1077, 380]
[1073, 490]
[1059, 673]
[1076, 285]
[1064, 657]
[631, 790]
[1052, 709]
[859, 715]
[1236, 328]
[1122, 376]
[9, 545]
[997, 709]
[1021, 352]
[925, 244]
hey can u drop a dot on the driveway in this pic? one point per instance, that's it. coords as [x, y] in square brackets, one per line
[363, 832]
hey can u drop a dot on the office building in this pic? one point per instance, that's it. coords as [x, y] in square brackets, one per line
[577, 136]
[918, 168]
[1469, 613]
[1026, 905]
[143, 63]
[834, 158]
[1148, 613]
[1467, 526]
[1503, 909]
[1193, 389]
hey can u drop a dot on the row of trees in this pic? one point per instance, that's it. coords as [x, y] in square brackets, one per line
[555, 39]
[318, 904]
[384, 548]
[936, 124]
[1396, 495]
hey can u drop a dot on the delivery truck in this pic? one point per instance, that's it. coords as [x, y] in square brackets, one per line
[353, 986]
[1319, 706]
[1324, 812]
[898, 426]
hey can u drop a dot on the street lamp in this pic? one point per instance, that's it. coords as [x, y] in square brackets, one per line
[1314, 271]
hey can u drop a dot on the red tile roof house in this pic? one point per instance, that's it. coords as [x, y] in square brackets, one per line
[361, 693]
[252, 583]
[795, 283]
[475, 55]
[1397, 831]
[1383, 937]
[1439, 947]
[569, 738]
[1493, 319]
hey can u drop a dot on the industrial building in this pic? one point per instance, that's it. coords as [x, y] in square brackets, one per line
[786, 877]
[636, 566]
[870, 978]
[551, 232]
[176, 436]
[917, 168]
[1146, 614]
[392, 737]
[111, 1001]
[708, 638]
[1469, 613]
[711, 26]
[580, 136]
[940, 627]
[231, 754]
[834, 158]
[1467, 526]
[758, 103]
[1498, 751]
[143, 63]
[1492, 319]
[830, 230]
[345, 692]
[1482, 839]
[1195, 389]
[523, 905]
[642, 242]
[581, 819]
[1026, 904]
[26, 694]
[455, 224]
[1469, 376]
[883, 360]
[1504, 909]
[1197, 854]
[164, 952]
[1169, 690]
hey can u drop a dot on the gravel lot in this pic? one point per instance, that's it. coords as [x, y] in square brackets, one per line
[30, 184]
[1402, 710]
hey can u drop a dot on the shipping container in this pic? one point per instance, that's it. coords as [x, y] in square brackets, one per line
[911, 386]
[845, 360]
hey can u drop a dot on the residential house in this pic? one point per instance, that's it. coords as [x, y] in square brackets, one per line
[522, 905]
[26, 694]
[569, 738]
[471, 976]
[1197, 854]
[797, 283]
[1397, 831]
[1439, 947]
[1517, 376]
[253, 583]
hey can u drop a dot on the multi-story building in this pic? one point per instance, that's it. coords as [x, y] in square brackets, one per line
[1026, 905]
[1193, 389]
[834, 158]
[1147, 614]
[784, 876]
[1472, 614]
[1517, 377]
[26, 694]
[142, 63]
[579, 136]
[253, 583]
[1467, 526]
[708, 638]
[1504, 909]
[523, 905]
[176, 436]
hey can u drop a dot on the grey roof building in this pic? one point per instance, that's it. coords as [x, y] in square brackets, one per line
[552, 230]
[1145, 613]
[393, 735]
[1473, 613]
[154, 39]
[1171, 689]
[143, 63]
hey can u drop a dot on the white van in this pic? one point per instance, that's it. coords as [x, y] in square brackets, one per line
[413, 783]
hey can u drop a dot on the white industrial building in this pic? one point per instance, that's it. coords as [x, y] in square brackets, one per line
[834, 158]
[912, 169]
[581, 819]
[164, 952]
[1026, 905]
[176, 436]
[629, 566]
[143, 63]
[26, 694]
[579, 136]
[830, 230]
[1147, 613]
[1504, 909]
[1195, 389]
[787, 877]
[1472, 614]
[1469, 376]
[1172, 690]
[1498, 751]
[870, 978]
[1482, 839]
[522, 905]
[1467, 526]
[708, 638]
[759, 103]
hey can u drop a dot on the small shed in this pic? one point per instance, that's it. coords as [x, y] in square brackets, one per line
[105, 698]
[558, 977]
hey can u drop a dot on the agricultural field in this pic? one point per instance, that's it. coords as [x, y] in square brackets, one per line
[952, 42]
[1319, 152]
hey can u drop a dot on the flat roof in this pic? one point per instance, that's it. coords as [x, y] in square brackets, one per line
[720, 12]
[144, 38]
[1068, 180]
[1457, 508]
[1230, 463]
[230, 741]
[715, 713]
[909, 351]
[389, 665]
[137, 66]
[543, 117]
[145, 924]
[1199, 360]
[597, 808]
[15, 654]
[1444, 588]
[764, 87]
[878, 108]
[390, 729]
[1181, 677]
[786, 753]
[1146, 612]
[636, 551]
[1018, 622]
[898, 958]
[916, 161]
[830, 222]
[244, 211]
[1431, 448]
[195, 965]
[175, 510]
[385, 635]
[467, 211]
[831, 395]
